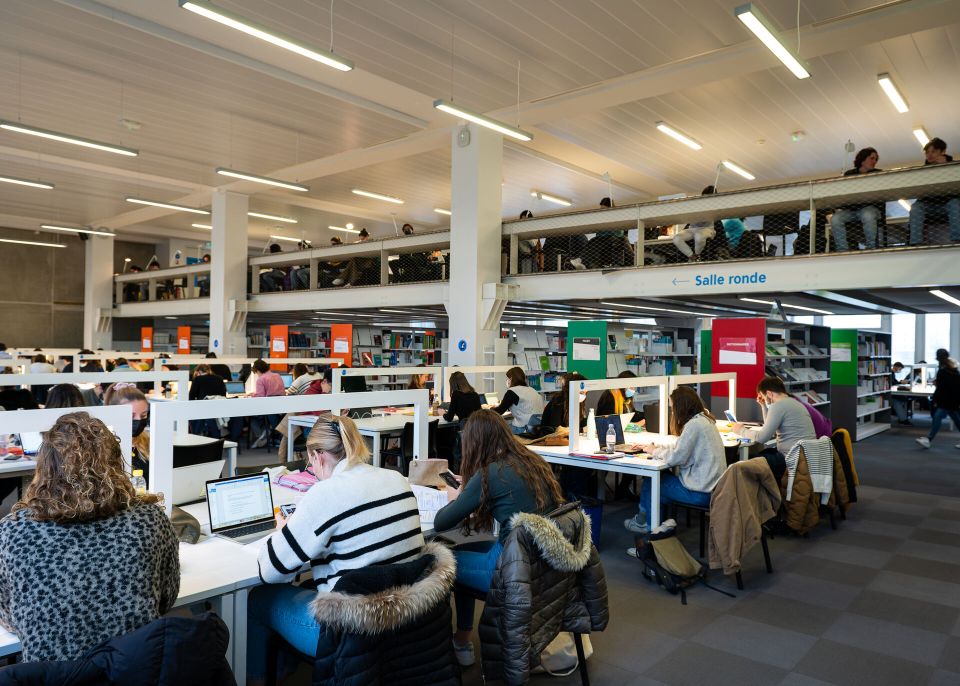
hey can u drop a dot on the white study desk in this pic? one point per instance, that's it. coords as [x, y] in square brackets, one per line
[375, 428]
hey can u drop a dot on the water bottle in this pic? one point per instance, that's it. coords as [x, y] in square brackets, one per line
[139, 483]
[3, 444]
[611, 439]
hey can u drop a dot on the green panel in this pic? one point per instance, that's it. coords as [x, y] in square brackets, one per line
[706, 345]
[583, 338]
[843, 357]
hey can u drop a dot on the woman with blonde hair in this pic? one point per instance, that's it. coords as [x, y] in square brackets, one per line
[125, 393]
[355, 516]
[83, 556]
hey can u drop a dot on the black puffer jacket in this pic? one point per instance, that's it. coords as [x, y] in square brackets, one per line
[548, 579]
[170, 651]
[389, 624]
[947, 393]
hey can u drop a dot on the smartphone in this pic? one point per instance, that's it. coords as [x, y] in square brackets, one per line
[450, 479]
[287, 510]
[729, 416]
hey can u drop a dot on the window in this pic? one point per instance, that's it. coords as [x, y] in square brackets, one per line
[903, 337]
[852, 321]
[937, 334]
[802, 318]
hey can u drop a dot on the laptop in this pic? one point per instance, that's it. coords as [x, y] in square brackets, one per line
[189, 483]
[235, 388]
[603, 423]
[241, 507]
[287, 380]
[491, 399]
[30, 442]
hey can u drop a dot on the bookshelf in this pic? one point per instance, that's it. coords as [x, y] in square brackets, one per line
[299, 344]
[860, 370]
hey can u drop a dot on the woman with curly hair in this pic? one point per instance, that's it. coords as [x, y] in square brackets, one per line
[83, 557]
[501, 477]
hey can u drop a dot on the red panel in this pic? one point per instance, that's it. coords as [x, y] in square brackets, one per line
[183, 340]
[146, 339]
[279, 342]
[341, 343]
[738, 346]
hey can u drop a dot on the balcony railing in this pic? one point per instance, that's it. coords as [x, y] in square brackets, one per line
[176, 283]
[917, 206]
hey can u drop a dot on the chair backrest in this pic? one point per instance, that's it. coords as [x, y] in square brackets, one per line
[187, 455]
[406, 439]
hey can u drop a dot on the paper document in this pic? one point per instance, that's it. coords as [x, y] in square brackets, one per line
[429, 500]
[639, 461]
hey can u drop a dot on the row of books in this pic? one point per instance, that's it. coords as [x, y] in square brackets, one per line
[784, 349]
[800, 374]
[874, 348]
[418, 341]
[874, 367]
[874, 385]
[813, 397]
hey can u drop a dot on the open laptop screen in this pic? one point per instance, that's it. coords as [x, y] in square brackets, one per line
[604, 422]
[239, 500]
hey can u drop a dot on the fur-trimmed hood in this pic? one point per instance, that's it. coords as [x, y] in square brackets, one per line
[383, 598]
[563, 536]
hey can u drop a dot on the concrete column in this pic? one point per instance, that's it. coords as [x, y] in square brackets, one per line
[474, 242]
[98, 293]
[228, 274]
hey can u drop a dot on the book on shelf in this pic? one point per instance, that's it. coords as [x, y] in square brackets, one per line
[366, 359]
[377, 360]
[377, 341]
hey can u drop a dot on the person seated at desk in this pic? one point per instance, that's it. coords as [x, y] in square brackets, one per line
[606, 248]
[64, 395]
[205, 385]
[268, 385]
[700, 232]
[935, 152]
[783, 417]
[869, 215]
[302, 378]
[464, 400]
[14, 398]
[357, 515]
[698, 453]
[557, 412]
[946, 396]
[126, 393]
[500, 477]
[321, 385]
[221, 370]
[421, 382]
[899, 405]
[523, 402]
[617, 400]
[271, 278]
[83, 556]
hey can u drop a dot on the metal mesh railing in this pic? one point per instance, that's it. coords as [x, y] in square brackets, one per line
[160, 287]
[903, 208]
[419, 267]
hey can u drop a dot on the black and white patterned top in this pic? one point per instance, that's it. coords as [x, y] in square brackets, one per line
[64, 588]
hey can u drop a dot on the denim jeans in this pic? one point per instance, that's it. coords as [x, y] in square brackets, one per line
[938, 414]
[899, 406]
[476, 563]
[868, 216]
[672, 490]
[918, 214]
[283, 609]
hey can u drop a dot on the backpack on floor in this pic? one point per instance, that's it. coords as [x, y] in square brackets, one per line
[667, 562]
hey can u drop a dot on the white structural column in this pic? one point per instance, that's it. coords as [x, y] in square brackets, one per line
[472, 307]
[228, 274]
[98, 293]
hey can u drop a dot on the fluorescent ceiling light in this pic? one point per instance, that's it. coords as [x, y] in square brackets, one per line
[397, 311]
[235, 21]
[290, 239]
[246, 176]
[658, 309]
[762, 29]
[890, 88]
[43, 245]
[663, 127]
[71, 229]
[66, 138]
[792, 307]
[166, 205]
[945, 296]
[540, 195]
[272, 217]
[340, 314]
[737, 169]
[26, 182]
[377, 196]
[904, 203]
[440, 210]
[920, 134]
[344, 229]
[202, 226]
[499, 127]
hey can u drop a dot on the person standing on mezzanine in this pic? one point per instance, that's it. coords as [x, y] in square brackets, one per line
[869, 215]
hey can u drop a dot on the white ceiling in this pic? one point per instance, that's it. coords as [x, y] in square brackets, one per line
[207, 96]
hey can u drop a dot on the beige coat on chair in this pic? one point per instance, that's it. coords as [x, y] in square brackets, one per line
[746, 496]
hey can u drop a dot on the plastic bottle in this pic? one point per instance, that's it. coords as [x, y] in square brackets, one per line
[139, 483]
[3, 444]
[611, 439]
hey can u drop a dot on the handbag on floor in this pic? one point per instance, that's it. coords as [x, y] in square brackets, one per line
[559, 658]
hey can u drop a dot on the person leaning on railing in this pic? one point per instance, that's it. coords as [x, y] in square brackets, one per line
[869, 215]
[935, 152]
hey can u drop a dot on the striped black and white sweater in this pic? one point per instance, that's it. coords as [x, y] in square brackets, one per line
[360, 516]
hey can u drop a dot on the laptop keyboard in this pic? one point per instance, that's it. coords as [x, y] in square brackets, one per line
[250, 529]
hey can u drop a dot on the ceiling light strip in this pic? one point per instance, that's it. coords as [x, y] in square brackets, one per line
[37, 243]
[890, 88]
[658, 309]
[166, 205]
[266, 180]
[26, 182]
[67, 138]
[289, 239]
[344, 229]
[272, 217]
[754, 20]
[72, 229]
[202, 226]
[550, 197]
[235, 21]
[676, 135]
[440, 210]
[737, 169]
[377, 196]
[945, 296]
[921, 135]
[487, 122]
[792, 307]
